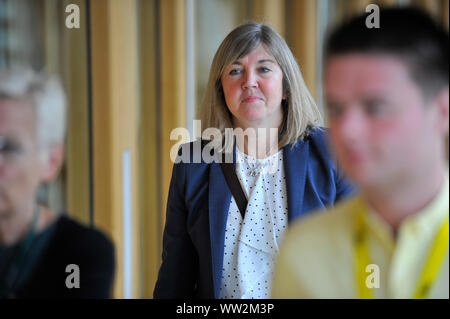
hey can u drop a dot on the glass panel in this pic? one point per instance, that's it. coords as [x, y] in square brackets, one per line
[33, 33]
[20, 39]
[214, 20]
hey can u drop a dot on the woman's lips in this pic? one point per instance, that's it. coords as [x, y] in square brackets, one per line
[250, 99]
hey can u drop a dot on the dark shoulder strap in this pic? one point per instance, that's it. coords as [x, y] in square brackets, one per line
[235, 186]
[233, 182]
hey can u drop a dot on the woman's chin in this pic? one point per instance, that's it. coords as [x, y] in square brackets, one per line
[253, 116]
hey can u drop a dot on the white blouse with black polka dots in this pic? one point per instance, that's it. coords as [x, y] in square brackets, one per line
[252, 245]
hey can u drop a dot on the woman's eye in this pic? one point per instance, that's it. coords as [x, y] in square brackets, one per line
[264, 69]
[235, 71]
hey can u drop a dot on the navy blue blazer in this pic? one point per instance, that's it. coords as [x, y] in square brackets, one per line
[197, 210]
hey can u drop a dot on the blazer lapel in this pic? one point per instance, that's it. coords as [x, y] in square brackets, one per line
[295, 164]
[219, 204]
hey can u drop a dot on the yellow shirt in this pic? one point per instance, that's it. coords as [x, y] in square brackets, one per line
[317, 256]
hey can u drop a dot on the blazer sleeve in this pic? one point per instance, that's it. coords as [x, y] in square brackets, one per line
[178, 271]
[344, 187]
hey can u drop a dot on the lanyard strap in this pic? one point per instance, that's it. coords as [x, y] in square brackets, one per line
[430, 271]
[362, 258]
[434, 262]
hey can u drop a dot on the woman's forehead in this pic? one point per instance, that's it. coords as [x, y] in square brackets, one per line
[259, 51]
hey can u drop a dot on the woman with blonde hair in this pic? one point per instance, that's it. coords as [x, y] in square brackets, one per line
[226, 220]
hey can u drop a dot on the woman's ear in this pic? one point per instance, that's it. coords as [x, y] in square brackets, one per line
[52, 163]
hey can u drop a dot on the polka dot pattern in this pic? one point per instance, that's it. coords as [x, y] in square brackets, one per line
[252, 244]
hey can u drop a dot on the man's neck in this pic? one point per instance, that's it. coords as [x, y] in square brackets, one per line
[395, 204]
[15, 225]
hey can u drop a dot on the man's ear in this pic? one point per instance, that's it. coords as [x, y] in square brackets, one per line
[442, 103]
[52, 163]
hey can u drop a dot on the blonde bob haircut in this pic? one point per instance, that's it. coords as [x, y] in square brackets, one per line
[300, 112]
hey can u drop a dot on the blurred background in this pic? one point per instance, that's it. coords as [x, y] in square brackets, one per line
[133, 71]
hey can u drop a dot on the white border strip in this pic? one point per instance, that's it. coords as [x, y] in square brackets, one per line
[127, 225]
[322, 24]
[190, 65]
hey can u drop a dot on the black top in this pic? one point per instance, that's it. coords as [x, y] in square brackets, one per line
[46, 274]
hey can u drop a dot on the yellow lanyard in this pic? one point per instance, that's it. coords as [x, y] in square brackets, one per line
[430, 271]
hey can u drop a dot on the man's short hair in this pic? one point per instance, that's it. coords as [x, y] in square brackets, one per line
[47, 96]
[408, 33]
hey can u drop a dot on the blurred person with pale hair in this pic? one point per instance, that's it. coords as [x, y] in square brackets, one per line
[226, 219]
[42, 254]
[388, 100]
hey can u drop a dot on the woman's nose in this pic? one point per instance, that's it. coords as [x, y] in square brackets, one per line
[249, 80]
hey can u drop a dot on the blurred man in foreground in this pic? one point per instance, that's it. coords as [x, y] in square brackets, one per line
[388, 104]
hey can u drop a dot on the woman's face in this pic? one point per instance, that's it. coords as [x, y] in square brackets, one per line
[253, 88]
